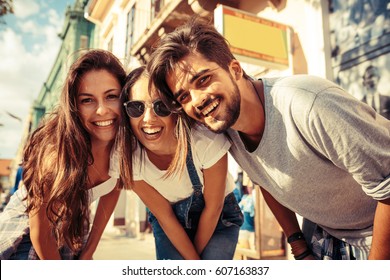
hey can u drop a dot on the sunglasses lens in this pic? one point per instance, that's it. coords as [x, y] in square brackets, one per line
[135, 109]
[160, 109]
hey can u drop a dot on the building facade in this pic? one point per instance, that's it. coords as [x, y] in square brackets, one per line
[75, 35]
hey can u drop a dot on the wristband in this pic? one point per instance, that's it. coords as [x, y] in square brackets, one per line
[303, 255]
[295, 236]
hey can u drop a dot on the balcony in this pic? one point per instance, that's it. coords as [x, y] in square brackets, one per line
[172, 15]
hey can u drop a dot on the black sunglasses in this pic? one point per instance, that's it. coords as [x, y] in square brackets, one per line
[136, 109]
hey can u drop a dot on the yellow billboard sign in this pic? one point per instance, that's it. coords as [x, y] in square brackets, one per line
[253, 39]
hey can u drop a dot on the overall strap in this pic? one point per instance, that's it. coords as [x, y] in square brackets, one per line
[196, 184]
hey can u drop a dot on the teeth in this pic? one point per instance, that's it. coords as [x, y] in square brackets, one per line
[151, 130]
[104, 123]
[211, 107]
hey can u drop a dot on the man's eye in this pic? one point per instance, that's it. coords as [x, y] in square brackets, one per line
[204, 80]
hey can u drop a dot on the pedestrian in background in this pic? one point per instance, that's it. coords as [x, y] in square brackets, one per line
[18, 179]
[374, 98]
[65, 168]
[313, 148]
[181, 176]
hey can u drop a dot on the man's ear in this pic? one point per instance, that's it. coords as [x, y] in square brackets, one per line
[235, 69]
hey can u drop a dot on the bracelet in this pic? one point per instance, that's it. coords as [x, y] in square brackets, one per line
[303, 255]
[295, 236]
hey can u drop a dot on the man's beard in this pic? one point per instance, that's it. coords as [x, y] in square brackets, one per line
[231, 113]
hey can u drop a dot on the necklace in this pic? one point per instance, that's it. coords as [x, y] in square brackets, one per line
[251, 142]
[96, 177]
[255, 86]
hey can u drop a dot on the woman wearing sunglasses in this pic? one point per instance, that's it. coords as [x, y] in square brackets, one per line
[180, 173]
[65, 168]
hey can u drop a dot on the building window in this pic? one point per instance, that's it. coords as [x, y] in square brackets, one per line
[130, 29]
[157, 6]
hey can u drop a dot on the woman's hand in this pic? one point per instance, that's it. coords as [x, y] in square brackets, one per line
[162, 210]
[214, 195]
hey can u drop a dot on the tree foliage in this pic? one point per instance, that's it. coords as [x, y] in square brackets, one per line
[6, 7]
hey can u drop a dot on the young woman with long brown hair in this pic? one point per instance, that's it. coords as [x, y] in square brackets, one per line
[180, 173]
[65, 168]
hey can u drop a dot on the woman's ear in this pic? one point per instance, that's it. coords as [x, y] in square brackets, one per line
[235, 69]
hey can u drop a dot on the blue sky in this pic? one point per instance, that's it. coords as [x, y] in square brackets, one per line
[29, 45]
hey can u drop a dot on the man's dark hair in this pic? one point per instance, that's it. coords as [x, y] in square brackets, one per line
[196, 36]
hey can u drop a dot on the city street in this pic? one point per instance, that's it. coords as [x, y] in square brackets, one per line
[117, 246]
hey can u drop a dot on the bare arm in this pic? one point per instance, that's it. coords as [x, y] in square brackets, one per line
[41, 235]
[163, 212]
[214, 194]
[380, 248]
[104, 211]
[287, 220]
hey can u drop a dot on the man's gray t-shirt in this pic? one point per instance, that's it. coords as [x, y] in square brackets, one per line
[323, 154]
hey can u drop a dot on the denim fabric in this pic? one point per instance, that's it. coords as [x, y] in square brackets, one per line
[222, 244]
[24, 247]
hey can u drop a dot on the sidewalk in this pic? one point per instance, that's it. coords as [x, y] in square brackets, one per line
[115, 245]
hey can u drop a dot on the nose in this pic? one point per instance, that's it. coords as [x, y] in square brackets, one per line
[149, 114]
[198, 98]
[102, 109]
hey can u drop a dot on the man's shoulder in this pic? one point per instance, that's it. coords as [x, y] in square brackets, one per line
[299, 82]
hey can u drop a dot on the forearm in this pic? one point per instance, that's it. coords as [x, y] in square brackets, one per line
[380, 248]
[214, 196]
[104, 211]
[288, 222]
[179, 238]
[206, 227]
[42, 237]
[285, 217]
[166, 218]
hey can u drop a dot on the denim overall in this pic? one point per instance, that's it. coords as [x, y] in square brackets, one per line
[222, 244]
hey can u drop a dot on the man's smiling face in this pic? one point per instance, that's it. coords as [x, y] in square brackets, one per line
[207, 93]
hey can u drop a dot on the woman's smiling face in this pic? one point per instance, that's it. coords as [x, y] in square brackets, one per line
[99, 104]
[157, 134]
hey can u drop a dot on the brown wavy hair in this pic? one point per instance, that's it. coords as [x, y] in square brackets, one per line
[57, 155]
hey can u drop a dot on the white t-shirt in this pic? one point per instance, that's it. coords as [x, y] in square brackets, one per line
[102, 189]
[207, 148]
